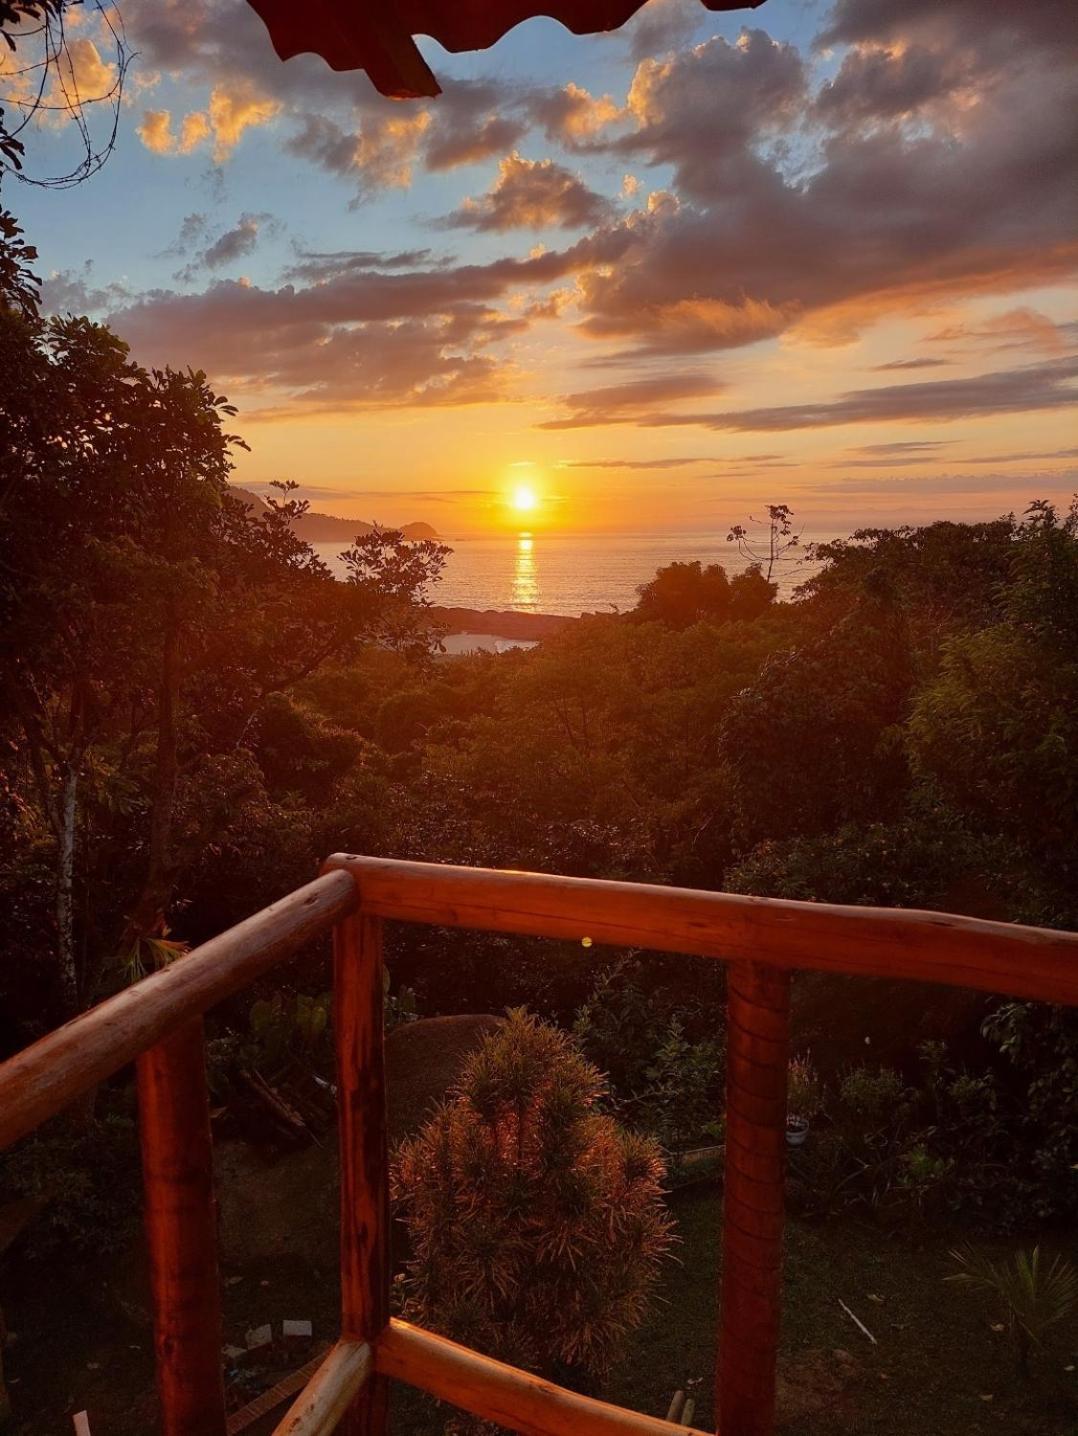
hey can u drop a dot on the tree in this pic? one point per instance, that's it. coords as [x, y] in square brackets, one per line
[148, 618]
[781, 539]
[682, 594]
[815, 740]
[995, 730]
[41, 26]
[537, 1223]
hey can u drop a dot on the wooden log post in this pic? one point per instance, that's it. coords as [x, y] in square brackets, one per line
[758, 1045]
[361, 1105]
[181, 1232]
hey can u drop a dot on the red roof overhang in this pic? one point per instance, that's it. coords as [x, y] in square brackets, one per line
[376, 35]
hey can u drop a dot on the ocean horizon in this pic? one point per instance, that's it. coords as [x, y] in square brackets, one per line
[570, 574]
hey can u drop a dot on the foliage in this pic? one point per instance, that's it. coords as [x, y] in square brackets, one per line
[804, 1091]
[84, 1180]
[536, 1222]
[155, 629]
[781, 540]
[19, 285]
[682, 594]
[1034, 1297]
[1040, 1044]
[681, 1104]
[666, 1077]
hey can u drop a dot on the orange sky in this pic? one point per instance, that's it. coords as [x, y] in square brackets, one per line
[822, 254]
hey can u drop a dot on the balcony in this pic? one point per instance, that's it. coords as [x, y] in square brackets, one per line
[157, 1023]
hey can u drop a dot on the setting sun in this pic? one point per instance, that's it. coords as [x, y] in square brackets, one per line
[524, 499]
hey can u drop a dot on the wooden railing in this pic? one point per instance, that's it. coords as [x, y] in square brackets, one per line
[158, 1023]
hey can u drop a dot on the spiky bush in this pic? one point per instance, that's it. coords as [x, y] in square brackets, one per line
[537, 1223]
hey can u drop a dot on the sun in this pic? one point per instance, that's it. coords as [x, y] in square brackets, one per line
[524, 499]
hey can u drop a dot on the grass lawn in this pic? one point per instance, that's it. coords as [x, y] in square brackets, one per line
[937, 1361]
[939, 1368]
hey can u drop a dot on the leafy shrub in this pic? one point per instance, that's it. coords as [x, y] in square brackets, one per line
[1040, 1045]
[662, 1079]
[86, 1178]
[537, 1224]
[871, 1095]
[1034, 1298]
[680, 1103]
[804, 1091]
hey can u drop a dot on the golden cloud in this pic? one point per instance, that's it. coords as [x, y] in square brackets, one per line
[230, 113]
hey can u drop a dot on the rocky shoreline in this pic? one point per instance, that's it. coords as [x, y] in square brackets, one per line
[499, 623]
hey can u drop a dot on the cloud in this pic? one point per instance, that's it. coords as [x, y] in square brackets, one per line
[155, 132]
[359, 338]
[532, 194]
[317, 266]
[1037, 485]
[235, 110]
[203, 248]
[1020, 458]
[69, 291]
[235, 243]
[633, 463]
[785, 219]
[1011, 391]
[571, 115]
[231, 113]
[629, 402]
[662, 26]
[381, 153]
[910, 364]
[903, 446]
[1022, 328]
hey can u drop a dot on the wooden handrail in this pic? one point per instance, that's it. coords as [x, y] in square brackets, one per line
[763, 939]
[318, 1409]
[911, 944]
[503, 1394]
[46, 1077]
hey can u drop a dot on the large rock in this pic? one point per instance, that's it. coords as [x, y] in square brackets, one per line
[271, 1209]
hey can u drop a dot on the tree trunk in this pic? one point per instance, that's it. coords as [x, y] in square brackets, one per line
[147, 917]
[65, 893]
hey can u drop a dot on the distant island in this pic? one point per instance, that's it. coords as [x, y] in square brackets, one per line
[324, 528]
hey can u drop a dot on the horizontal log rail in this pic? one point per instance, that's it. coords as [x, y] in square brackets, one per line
[46, 1077]
[763, 940]
[903, 943]
[514, 1399]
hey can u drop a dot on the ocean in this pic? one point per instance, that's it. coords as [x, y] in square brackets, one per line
[574, 573]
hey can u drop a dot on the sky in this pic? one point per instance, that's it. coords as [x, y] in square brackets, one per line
[821, 252]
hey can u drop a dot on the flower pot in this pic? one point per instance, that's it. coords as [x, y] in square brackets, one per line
[797, 1130]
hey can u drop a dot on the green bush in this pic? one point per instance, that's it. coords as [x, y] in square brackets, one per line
[87, 1180]
[536, 1222]
[663, 1079]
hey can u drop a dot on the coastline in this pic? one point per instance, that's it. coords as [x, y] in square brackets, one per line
[499, 623]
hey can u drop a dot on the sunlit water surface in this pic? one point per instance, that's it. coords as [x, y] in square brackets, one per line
[567, 573]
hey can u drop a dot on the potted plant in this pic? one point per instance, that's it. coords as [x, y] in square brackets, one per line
[804, 1100]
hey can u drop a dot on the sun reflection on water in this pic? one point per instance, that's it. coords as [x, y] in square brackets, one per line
[525, 574]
